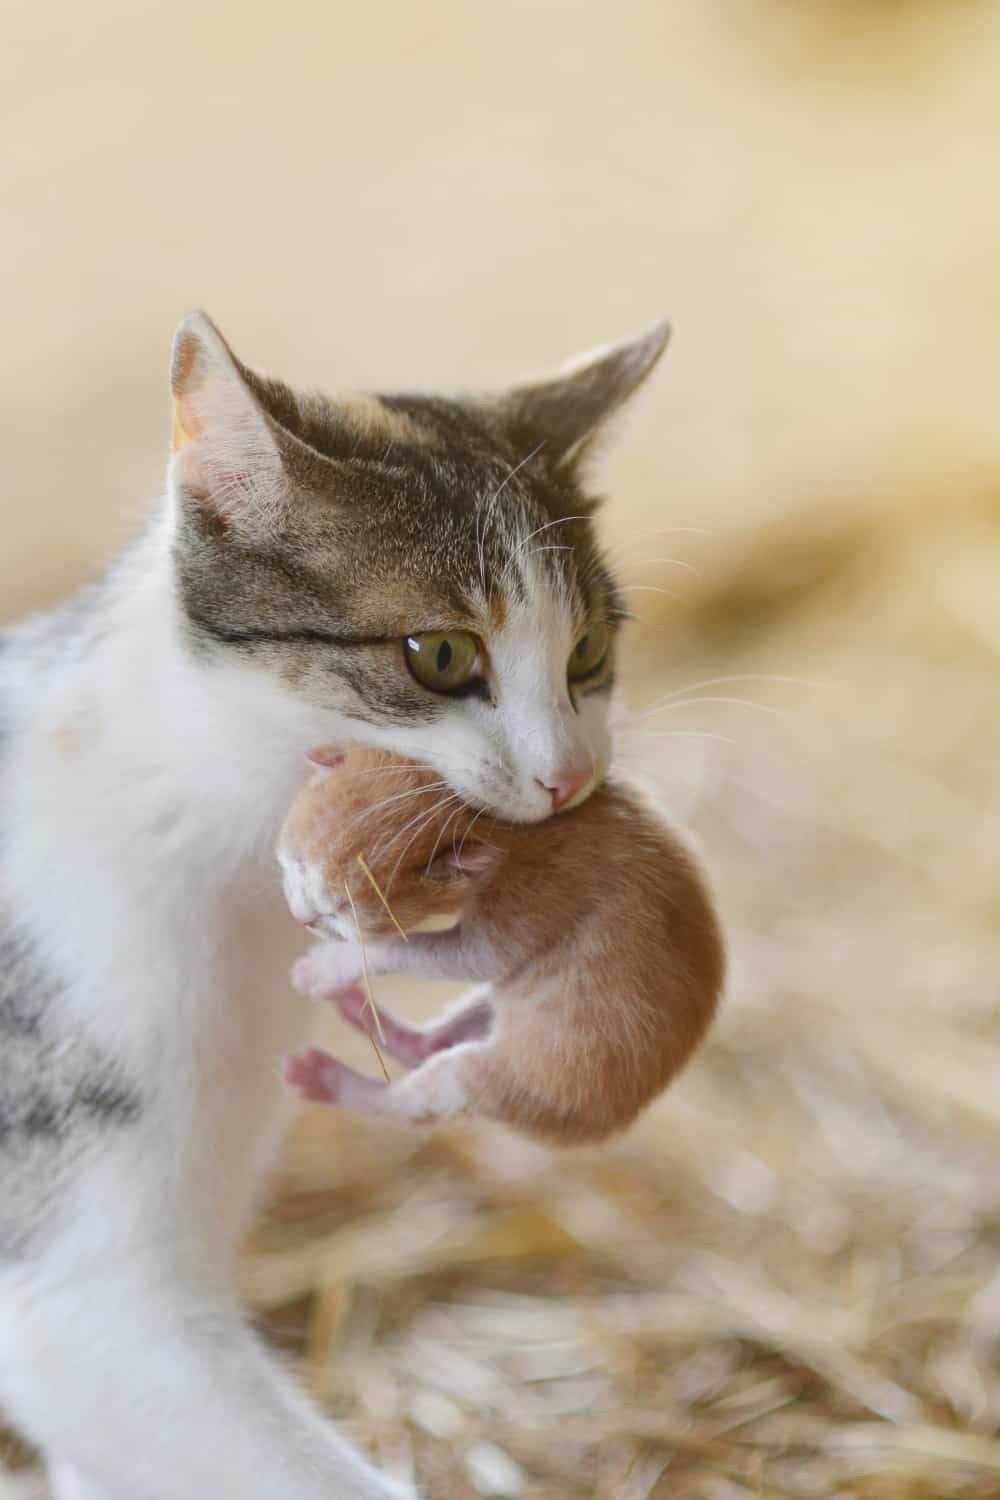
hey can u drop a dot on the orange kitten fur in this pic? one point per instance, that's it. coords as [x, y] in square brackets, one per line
[593, 931]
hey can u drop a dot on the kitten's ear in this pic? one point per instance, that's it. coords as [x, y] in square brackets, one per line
[567, 411]
[325, 759]
[456, 864]
[326, 755]
[225, 456]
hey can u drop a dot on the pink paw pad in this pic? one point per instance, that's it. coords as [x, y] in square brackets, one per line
[314, 1075]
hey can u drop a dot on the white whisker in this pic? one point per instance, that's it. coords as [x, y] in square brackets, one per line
[438, 808]
[707, 682]
[679, 703]
[644, 588]
[441, 833]
[475, 820]
[676, 734]
[562, 521]
[377, 807]
[490, 506]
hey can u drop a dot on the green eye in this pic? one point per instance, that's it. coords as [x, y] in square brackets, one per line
[446, 661]
[589, 652]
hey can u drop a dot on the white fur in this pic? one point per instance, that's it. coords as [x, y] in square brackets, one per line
[144, 793]
[502, 757]
[141, 858]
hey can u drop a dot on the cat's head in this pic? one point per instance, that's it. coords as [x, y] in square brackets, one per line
[423, 570]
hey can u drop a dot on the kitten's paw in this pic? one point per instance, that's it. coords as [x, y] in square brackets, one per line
[327, 969]
[314, 1075]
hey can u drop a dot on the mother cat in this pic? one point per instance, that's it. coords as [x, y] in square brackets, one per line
[411, 572]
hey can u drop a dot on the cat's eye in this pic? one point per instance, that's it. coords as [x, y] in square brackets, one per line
[589, 652]
[446, 661]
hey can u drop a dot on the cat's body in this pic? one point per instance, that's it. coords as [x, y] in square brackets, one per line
[151, 738]
[594, 933]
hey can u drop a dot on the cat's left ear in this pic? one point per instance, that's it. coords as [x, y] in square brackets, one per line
[225, 449]
[565, 414]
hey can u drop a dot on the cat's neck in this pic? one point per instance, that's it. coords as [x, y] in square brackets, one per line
[224, 741]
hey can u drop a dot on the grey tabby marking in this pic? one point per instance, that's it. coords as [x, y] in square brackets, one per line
[56, 1092]
[406, 512]
[398, 514]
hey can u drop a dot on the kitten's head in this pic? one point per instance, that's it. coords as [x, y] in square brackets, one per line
[374, 843]
[425, 571]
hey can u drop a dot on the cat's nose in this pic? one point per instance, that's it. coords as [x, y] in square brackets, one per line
[567, 784]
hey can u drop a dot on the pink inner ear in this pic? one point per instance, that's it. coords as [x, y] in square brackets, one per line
[473, 860]
[326, 755]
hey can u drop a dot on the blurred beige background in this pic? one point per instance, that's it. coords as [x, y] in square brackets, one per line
[446, 192]
[783, 1282]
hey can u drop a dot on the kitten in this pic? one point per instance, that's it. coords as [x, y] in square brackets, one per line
[595, 933]
[151, 736]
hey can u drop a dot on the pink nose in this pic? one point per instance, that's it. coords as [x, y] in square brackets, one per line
[569, 782]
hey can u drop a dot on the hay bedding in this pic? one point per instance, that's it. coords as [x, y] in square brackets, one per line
[784, 1281]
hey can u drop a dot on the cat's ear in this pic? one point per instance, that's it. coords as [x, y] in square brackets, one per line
[565, 413]
[225, 455]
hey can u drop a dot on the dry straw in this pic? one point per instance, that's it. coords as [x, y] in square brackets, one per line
[784, 1282]
[366, 977]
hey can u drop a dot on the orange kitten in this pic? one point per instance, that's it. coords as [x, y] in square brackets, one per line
[593, 933]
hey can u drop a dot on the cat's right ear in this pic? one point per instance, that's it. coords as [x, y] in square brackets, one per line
[225, 457]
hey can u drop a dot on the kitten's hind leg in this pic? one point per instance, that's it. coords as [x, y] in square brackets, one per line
[451, 1083]
[412, 1045]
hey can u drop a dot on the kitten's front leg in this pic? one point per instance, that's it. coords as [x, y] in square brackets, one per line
[329, 968]
[456, 954]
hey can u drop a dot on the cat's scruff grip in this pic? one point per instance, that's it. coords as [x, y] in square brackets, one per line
[594, 931]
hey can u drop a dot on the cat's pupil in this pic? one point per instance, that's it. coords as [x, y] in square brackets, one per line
[581, 646]
[444, 655]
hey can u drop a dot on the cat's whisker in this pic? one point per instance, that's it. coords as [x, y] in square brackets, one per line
[475, 820]
[675, 734]
[490, 506]
[551, 547]
[560, 521]
[384, 847]
[441, 833]
[385, 844]
[435, 811]
[681, 703]
[404, 796]
[668, 562]
[644, 588]
[623, 549]
[732, 677]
